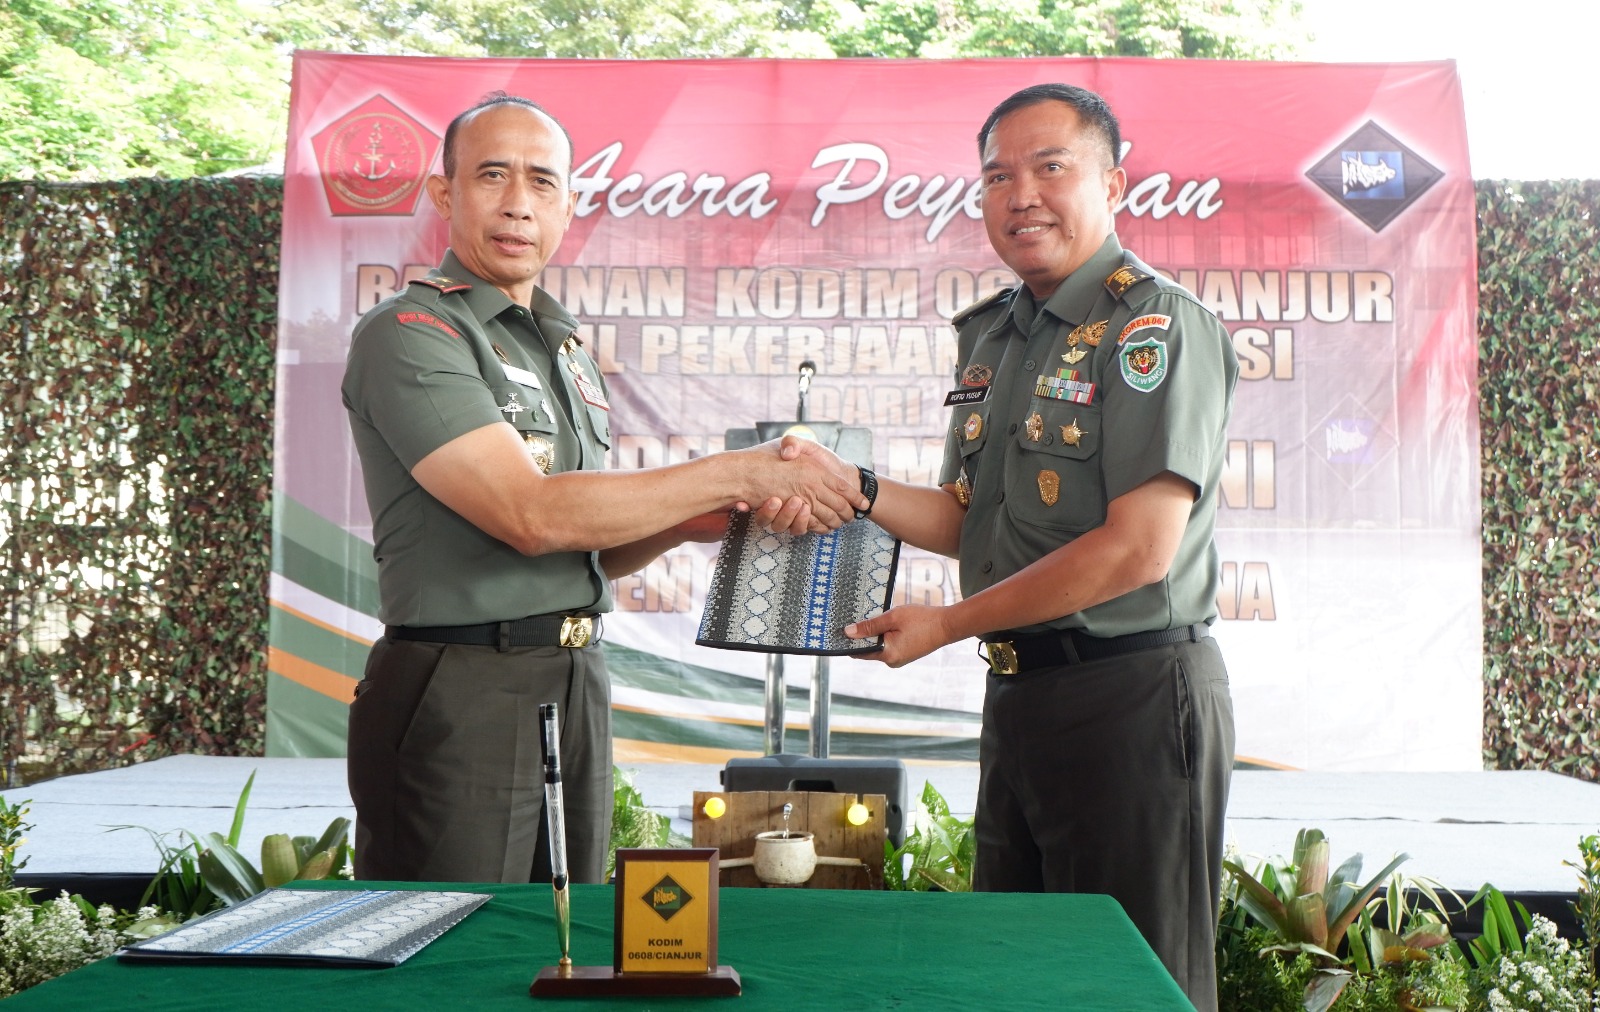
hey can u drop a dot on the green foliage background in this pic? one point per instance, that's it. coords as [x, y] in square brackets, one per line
[137, 339]
[108, 89]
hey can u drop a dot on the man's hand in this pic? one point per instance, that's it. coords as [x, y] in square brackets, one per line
[830, 488]
[792, 516]
[909, 632]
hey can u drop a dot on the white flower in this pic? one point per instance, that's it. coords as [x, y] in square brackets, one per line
[45, 941]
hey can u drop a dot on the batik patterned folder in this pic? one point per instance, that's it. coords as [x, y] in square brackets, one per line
[313, 927]
[781, 594]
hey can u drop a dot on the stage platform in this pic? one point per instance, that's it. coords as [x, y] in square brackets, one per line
[1512, 829]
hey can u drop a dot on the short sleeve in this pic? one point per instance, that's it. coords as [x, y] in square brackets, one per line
[1166, 394]
[413, 378]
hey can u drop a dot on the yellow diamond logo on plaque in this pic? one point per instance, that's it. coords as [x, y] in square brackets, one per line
[666, 898]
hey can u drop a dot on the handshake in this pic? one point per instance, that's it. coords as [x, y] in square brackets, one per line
[799, 486]
[789, 485]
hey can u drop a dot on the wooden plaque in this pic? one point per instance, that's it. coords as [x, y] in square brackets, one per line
[666, 911]
[665, 936]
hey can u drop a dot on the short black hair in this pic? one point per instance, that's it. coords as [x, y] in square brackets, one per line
[1090, 106]
[488, 101]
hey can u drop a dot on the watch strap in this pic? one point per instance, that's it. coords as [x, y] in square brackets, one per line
[869, 488]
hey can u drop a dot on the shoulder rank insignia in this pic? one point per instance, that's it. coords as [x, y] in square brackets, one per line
[445, 285]
[977, 307]
[1123, 278]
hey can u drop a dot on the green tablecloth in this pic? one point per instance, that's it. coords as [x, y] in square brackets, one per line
[794, 949]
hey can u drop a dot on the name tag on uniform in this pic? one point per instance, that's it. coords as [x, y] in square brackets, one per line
[966, 395]
[522, 376]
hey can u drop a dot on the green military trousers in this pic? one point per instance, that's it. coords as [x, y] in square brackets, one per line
[445, 766]
[1112, 776]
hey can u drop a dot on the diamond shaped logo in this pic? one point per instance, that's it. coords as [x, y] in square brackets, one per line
[1374, 176]
[1352, 441]
[666, 898]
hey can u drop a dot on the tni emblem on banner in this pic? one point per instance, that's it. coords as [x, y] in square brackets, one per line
[373, 159]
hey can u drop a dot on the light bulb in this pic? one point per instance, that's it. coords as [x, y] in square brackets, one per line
[857, 814]
[715, 808]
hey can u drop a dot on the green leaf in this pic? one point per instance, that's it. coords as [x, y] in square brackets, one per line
[1311, 861]
[1341, 918]
[280, 862]
[1259, 901]
[334, 836]
[228, 874]
[238, 811]
[319, 867]
[1307, 920]
[1324, 988]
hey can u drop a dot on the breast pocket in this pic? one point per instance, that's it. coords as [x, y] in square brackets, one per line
[1057, 484]
[600, 425]
[971, 428]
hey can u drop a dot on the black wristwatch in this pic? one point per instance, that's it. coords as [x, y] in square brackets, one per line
[869, 488]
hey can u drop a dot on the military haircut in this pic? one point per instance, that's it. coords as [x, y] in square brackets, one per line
[1089, 105]
[489, 101]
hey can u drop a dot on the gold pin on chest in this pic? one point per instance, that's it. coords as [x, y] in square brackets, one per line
[1049, 487]
[1083, 334]
[542, 450]
[1035, 426]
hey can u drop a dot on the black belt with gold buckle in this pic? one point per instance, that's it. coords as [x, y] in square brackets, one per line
[1069, 646]
[571, 631]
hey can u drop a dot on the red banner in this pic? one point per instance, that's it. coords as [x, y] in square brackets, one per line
[736, 218]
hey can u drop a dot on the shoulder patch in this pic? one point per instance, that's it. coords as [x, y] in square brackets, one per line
[1146, 322]
[444, 285]
[1123, 278]
[977, 307]
[428, 321]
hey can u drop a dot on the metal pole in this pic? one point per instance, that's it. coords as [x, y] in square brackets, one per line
[772, 734]
[819, 708]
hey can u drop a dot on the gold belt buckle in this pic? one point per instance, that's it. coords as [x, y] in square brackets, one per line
[1002, 658]
[576, 631]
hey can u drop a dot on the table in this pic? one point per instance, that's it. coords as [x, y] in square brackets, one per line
[793, 948]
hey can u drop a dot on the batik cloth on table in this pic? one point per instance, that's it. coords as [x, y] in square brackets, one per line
[304, 927]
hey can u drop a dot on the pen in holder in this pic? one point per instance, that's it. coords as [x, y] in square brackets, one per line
[555, 816]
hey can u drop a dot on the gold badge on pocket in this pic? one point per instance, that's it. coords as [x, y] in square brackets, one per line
[1035, 426]
[974, 426]
[963, 489]
[1049, 487]
[542, 450]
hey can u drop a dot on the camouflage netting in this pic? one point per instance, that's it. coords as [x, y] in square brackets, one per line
[137, 333]
[1539, 380]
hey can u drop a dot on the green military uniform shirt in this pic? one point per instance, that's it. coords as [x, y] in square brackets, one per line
[448, 355]
[1118, 376]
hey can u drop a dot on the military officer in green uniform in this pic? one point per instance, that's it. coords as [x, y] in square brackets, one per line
[1079, 492]
[482, 426]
